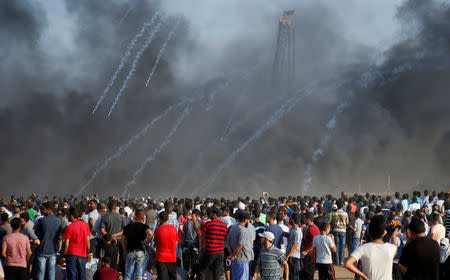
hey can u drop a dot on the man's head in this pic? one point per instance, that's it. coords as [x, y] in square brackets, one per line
[168, 206]
[16, 224]
[163, 217]
[74, 213]
[4, 218]
[216, 213]
[416, 228]
[267, 238]
[377, 227]
[107, 238]
[112, 206]
[280, 217]
[106, 261]
[309, 218]
[339, 204]
[92, 204]
[139, 216]
[25, 216]
[243, 218]
[46, 208]
[296, 219]
[435, 218]
[196, 213]
[225, 211]
[324, 227]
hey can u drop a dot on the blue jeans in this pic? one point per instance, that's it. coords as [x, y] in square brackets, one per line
[45, 262]
[355, 244]
[240, 270]
[135, 265]
[339, 237]
[76, 267]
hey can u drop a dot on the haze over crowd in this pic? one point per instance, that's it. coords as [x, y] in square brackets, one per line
[58, 56]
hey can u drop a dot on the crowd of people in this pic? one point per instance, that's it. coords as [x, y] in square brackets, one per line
[373, 236]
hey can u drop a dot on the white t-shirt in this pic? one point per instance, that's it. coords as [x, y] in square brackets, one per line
[358, 226]
[323, 245]
[284, 239]
[376, 260]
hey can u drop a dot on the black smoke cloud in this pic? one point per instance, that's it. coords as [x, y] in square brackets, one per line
[51, 143]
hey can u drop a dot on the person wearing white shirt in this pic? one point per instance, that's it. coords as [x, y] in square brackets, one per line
[376, 257]
[414, 205]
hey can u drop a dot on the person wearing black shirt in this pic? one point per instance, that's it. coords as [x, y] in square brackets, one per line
[135, 237]
[259, 228]
[421, 256]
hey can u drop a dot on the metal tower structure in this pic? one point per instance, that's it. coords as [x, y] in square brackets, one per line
[284, 62]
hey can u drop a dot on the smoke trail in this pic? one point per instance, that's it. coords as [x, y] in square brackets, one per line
[323, 142]
[124, 59]
[161, 51]
[364, 81]
[147, 43]
[132, 140]
[276, 116]
[242, 76]
[128, 11]
[149, 159]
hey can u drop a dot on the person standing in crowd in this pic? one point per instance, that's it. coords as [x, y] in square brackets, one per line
[437, 231]
[240, 247]
[16, 250]
[376, 256]
[259, 228]
[311, 232]
[166, 238]
[150, 216]
[421, 256]
[48, 229]
[112, 223]
[136, 236]
[190, 242]
[357, 231]
[275, 229]
[323, 245]
[270, 259]
[77, 245]
[447, 218]
[340, 222]
[93, 216]
[229, 221]
[293, 247]
[213, 235]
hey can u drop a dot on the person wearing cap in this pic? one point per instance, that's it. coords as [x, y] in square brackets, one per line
[240, 247]
[136, 236]
[270, 259]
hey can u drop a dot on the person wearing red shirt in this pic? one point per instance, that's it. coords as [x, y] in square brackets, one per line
[166, 238]
[213, 234]
[106, 272]
[76, 245]
[16, 252]
[308, 263]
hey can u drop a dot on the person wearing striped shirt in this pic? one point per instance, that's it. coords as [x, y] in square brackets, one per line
[270, 260]
[213, 234]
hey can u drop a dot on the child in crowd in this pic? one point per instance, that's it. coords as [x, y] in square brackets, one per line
[324, 245]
